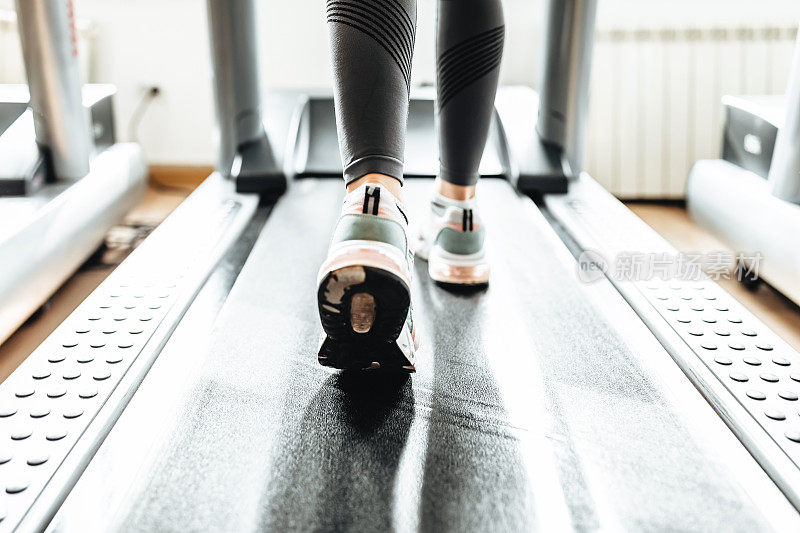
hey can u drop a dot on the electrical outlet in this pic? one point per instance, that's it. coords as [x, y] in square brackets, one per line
[150, 90]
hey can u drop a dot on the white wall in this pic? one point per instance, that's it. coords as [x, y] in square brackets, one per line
[164, 42]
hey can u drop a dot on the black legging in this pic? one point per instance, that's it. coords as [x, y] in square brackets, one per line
[372, 44]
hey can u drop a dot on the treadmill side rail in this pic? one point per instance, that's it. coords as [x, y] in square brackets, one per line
[747, 373]
[62, 401]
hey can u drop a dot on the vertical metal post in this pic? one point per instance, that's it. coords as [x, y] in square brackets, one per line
[234, 54]
[50, 52]
[784, 172]
[564, 78]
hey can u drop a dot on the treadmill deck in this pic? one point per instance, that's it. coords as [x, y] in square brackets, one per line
[542, 403]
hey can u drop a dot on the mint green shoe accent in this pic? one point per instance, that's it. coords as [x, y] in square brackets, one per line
[458, 242]
[370, 228]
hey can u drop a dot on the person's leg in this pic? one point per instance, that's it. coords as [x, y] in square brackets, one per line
[364, 293]
[469, 50]
[371, 43]
[469, 47]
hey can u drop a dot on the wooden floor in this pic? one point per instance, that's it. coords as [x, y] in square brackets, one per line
[671, 222]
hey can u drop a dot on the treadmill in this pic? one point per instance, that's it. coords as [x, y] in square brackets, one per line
[184, 393]
[64, 180]
[750, 197]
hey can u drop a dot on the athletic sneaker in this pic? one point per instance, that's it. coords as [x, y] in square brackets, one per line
[452, 241]
[364, 293]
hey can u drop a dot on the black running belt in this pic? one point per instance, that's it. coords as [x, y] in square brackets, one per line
[542, 403]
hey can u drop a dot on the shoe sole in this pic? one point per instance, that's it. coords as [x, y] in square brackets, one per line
[363, 310]
[455, 270]
[474, 275]
[396, 356]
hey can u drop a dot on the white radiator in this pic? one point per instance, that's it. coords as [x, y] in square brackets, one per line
[11, 67]
[655, 99]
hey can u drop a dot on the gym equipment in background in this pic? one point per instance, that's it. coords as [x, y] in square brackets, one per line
[64, 180]
[750, 198]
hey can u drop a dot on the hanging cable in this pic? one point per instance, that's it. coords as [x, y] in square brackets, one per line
[139, 111]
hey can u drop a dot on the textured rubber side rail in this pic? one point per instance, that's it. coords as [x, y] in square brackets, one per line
[59, 405]
[747, 373]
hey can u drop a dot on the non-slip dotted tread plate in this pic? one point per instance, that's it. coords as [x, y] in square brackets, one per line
[756, 367]
[48, 402]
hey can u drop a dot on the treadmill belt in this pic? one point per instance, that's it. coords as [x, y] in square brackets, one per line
[541, 403]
